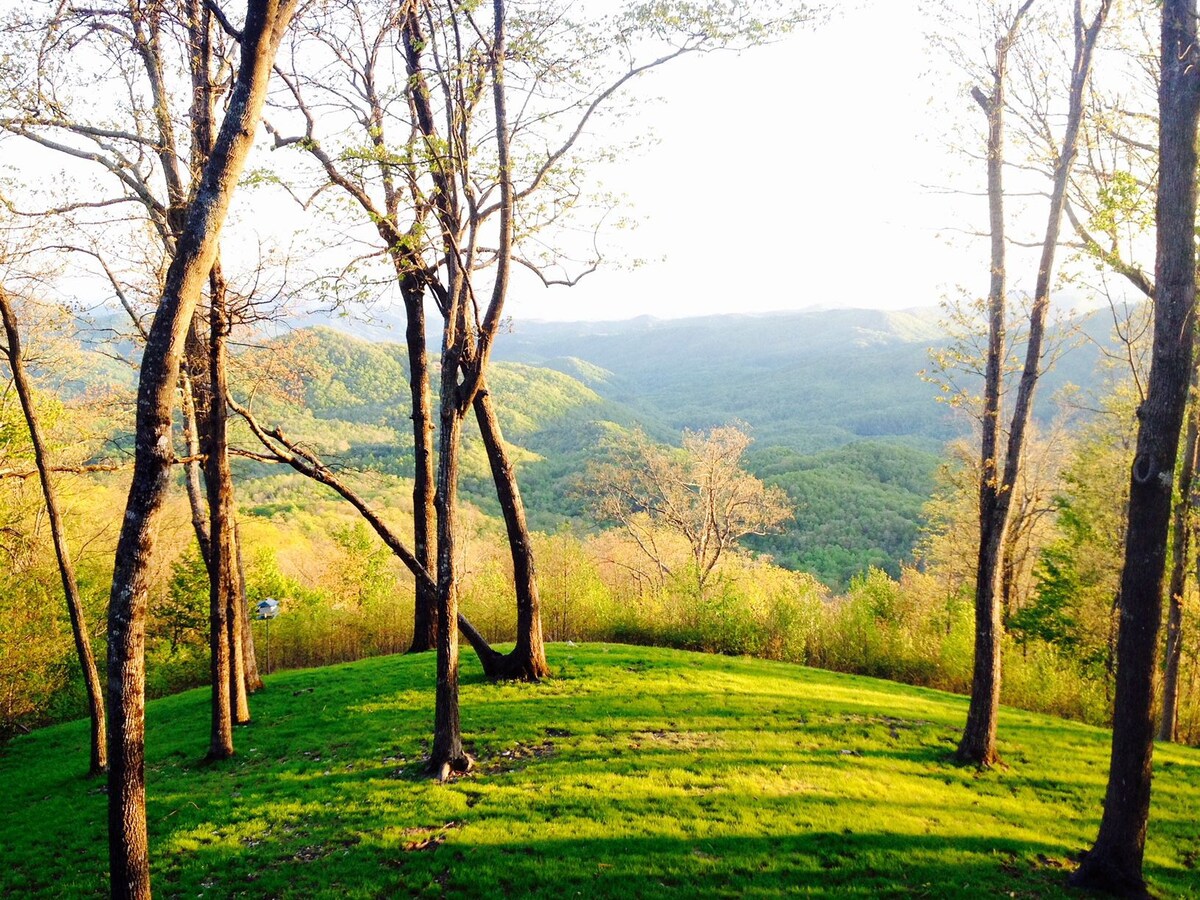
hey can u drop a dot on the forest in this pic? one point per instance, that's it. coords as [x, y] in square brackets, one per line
[826, 601]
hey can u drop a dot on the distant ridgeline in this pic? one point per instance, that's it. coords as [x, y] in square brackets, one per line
[840, 418]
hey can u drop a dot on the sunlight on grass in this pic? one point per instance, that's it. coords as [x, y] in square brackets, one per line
[635, 772]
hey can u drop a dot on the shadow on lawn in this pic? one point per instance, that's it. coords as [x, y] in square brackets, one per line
[714, 787]
[443, 862]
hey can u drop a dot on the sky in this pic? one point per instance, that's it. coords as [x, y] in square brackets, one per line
[807, 173]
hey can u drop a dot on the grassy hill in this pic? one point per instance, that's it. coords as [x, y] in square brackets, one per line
[635, 772]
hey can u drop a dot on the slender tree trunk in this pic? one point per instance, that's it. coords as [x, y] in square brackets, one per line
[226, 583]
[425, 612]
[254, 680]
[191, 432]
[978, 742]
[224, 586]
[1168, 726]
[98, 761]
[196, 251]
[447, 754]
[1114, 863]
[527, 661]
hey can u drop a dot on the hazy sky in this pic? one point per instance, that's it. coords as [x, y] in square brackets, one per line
[790, 176]
[795, 175]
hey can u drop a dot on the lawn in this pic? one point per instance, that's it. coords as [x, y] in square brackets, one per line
[634, 772]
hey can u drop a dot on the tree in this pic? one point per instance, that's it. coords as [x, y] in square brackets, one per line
[455, 186]
[700, 493]
[79, 630]
[978, 744]
[1181, 534]
[1114, 862]
[195, 253]
[152, 151]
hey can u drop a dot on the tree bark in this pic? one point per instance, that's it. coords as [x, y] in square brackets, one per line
[527, 660]
[1114, 863]
[978, 744]
[191, 431]
[195, 253]
[98, 758]
[447, 754]
[254, 680]
[425, 605]
[224, 583]
[1169, 723]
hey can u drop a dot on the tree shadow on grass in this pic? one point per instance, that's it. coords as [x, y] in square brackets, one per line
[443, 861]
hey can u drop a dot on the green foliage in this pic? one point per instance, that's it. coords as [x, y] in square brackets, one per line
[856, 507]
[184, 612]
[35, 644]
[634, 772]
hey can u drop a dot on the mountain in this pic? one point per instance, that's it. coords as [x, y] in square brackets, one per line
[840, 416]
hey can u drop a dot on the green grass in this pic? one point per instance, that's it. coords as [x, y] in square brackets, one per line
[635, 772]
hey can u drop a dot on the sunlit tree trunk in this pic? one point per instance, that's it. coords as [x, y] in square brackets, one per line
[254, 680]
[979, 739]
[1182, 533]
[195, 253]
[447, 754]
[1114, 863]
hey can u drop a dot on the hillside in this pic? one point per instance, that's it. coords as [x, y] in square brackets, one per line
[840, 418]
[635, 772]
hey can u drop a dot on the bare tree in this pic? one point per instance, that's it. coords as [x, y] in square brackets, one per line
[66, 567]
[196, 250]
[1114, 863]
[700, 493]
[978, 744]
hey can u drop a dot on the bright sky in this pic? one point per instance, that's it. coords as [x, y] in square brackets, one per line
[802, 174]
[791, 176]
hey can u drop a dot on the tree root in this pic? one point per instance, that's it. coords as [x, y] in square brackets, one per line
[518, 665]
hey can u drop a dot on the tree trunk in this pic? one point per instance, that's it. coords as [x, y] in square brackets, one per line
[527, 661]
[1114, 863]
[191, 393]
[447, 754]
[224, 586]
[224, 577]
[98, 761]
[425, 611]
[1169, 724]
[254, 680]
[196, 251]
[978, 742]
